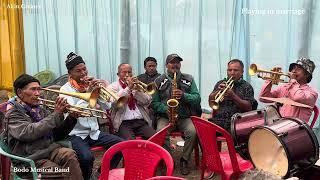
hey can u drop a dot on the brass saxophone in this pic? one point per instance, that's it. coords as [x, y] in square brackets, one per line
[173, 102]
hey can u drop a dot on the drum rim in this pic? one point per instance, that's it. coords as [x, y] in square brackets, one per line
[280, 140]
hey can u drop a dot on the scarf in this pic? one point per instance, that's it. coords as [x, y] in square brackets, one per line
[79, 87]
[131, 101]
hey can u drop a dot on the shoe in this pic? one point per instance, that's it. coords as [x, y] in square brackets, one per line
[184, 168]
[208, 174]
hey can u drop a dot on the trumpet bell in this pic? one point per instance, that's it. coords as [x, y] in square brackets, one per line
[91, 97]
[106, 94]
[214, 105]
[253, 69]
[151, 88]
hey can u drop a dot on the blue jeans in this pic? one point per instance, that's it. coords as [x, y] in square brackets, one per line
[86, 158]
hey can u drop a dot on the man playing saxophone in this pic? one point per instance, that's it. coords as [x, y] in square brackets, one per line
[86, 132]
[187, 94]
[237, 99]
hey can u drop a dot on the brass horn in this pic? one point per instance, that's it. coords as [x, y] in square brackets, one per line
[106, 94]
[83, 111]
[91, 97]
[273, 75]
[148, 88]
[214, 103]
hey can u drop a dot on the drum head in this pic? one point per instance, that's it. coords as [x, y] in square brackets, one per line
[267, 152]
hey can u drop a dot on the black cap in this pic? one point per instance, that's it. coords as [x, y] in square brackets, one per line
[171, 57]
[22, 81]
[73, 60]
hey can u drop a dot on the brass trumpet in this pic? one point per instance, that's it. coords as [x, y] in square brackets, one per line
[273, 75]
[214, 103]
[142, 87]
[147, 88]
[107, 94]
[83, 111]
[91, 97]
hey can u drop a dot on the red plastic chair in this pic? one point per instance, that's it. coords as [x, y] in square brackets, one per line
[228, 164]
[315, 115]
[166, 178]
[141, 158]
[160, 136]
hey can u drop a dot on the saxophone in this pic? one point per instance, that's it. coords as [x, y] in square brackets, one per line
[173, 102]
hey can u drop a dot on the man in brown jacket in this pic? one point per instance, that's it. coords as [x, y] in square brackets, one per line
[35, 133]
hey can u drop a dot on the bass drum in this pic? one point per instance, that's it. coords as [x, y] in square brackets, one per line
[243, 123]
[284, 147]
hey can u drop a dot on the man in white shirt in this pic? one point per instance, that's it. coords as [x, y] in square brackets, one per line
[86, 132]
[132, 119]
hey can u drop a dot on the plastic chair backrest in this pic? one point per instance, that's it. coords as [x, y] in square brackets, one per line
[315, 115]
[141, 158]
[207, 134]
[160, 136]
[166, 178]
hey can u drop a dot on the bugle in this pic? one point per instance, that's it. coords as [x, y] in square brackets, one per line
[82, 111]
[91, 97]
[273, 75]
[214, 102]
[106, 94]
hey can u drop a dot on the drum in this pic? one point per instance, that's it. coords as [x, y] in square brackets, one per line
[284, 147]
[243, 123]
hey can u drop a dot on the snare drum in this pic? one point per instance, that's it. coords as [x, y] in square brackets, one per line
[284, 147]
[243, 123]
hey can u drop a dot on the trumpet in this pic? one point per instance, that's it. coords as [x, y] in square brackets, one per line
[83, 111]
[142, 87]
[273, 75]
[214, 103]
[91, 97]
[106, 94]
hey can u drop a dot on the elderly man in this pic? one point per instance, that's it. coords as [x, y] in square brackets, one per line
[86, 132]
[297, 90]
[35, 133]
[132, 119]
[187, 94]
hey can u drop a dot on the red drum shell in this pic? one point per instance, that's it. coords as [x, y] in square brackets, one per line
[297, 144]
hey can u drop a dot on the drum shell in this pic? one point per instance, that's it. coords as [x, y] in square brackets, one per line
[243, 123]
[298, 141]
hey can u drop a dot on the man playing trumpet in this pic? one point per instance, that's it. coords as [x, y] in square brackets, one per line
[35, 133]
[86, 132]
[297, 90]
[238, 99]
[132, 119]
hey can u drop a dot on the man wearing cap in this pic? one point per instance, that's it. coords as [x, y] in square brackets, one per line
[36, 133]
[150, 65]
[188, 96]
[297, 90]
[86, 132]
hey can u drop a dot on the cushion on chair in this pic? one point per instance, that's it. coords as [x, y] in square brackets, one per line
[45, 77]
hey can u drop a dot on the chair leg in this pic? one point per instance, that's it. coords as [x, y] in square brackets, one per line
[5, 163]
[196, 154]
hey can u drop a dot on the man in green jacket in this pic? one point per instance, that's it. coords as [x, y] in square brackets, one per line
[189, 99]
